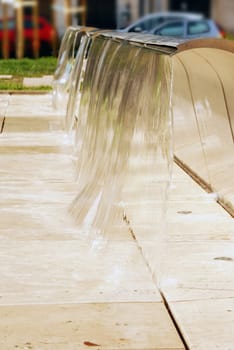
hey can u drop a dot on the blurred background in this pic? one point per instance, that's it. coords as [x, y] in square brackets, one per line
[40, 24]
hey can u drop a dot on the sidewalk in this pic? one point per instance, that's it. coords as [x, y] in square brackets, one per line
[58, 294]
[55, 292]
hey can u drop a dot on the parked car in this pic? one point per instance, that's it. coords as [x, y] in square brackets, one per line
[148, 22]
[45, 30]
[190, 29]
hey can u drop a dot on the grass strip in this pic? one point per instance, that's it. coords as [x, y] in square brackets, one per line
[28, 67]
[25, 67]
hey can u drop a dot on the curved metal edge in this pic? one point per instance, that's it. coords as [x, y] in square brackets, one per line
[216, 43]
[165, 45]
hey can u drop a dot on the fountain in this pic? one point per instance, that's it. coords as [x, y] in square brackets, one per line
[126, 92]
[68, 52]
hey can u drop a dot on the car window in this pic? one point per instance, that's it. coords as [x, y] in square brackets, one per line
[141, 26]
[150, 23]
[171, 29]
[138, 28]
[155, 21]
[197, 27]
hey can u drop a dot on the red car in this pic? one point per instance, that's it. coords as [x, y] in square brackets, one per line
[45, 29]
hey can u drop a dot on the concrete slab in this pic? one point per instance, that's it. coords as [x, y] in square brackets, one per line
[206, 324]
[32, 106]
[38, 164]
[197, 243]
[198, 270]
[185, 220]
[45, 80]
[35, 143]
[5, 76]
[51, 272]
[72, 272]
[49, 266]
[29, 124]
[128, 326]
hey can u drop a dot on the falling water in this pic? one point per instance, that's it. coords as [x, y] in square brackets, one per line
[66, 58]
[76, 83]
[121, 106]
[122, 125]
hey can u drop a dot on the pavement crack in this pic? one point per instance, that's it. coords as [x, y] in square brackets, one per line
[5, 113]
[228, 207]
[3, 124]
[170, 313]
[154, 279]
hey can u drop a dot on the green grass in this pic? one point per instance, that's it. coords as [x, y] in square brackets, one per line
[28, 67]
[13, 84]
[25, 67]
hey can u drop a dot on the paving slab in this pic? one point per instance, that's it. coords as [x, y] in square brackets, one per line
[48, 272]
[58, 289]
[32, 106]
[5, 76]
[35, 143]
[198, 270]
[45, 80]
[109, 326]
[29, 124]
[206, 324]
[38, 163]
[194, 255]
[51, 271]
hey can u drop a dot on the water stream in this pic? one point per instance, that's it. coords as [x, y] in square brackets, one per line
[66, 59]
[124, 91]
[72, 111]
[122, 126]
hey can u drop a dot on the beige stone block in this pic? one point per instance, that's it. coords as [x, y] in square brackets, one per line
[196, 270]
[36, 163]
[73, 271]
[128, 326]
[32, 143]
[45, 80]
[5, 76]
[32, 124]
[24, 105]
[206, 324]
